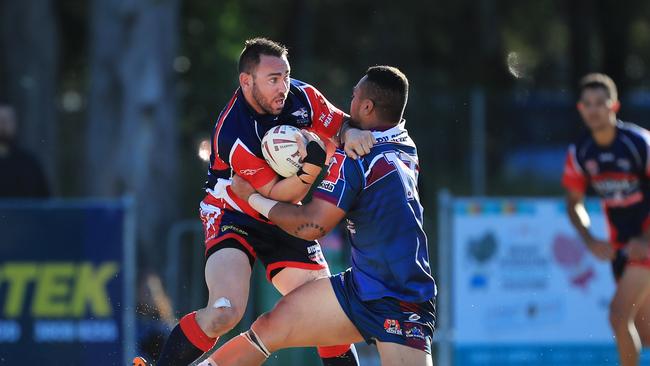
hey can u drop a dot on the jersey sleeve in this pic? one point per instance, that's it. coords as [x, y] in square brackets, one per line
[343, 182]
[573, 177]
[248, 166]
[326, 119]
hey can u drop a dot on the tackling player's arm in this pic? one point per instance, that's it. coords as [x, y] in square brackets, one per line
[309, 222]
[576, 185]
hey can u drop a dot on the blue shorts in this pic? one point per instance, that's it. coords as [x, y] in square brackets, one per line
[386, 319]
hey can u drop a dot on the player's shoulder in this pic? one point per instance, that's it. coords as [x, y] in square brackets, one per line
[230, 126]
[305, 91]
[232, 111]
[299, 84]
[633, 131]
[349, 166]
[580, 146]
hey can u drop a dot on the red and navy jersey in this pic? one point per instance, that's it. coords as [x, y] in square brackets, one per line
[618, 173]
[237, 136]
[384, 218]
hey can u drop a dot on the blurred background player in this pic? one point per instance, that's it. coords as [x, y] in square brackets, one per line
[235, 234]
[613, 159]
[388, 295]
[21, 175]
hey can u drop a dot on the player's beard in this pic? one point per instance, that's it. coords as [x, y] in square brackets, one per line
[266, 105]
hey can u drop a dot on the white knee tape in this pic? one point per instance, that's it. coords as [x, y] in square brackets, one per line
[221, 302]
[253, 339]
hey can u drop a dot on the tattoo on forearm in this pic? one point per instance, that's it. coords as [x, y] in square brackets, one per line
[307, 226]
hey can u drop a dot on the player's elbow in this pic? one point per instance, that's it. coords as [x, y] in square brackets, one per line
[311, 230]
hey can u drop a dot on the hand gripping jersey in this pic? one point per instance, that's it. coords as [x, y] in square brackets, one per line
[237, 135]
[384, 218]
[619, 175]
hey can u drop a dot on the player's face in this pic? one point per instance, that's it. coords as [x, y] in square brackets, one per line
[596, 108]
[357, 105]
[271, 83]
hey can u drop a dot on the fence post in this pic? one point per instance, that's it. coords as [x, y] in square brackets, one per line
[444, 327]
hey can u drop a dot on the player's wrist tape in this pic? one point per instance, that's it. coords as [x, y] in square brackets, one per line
[316, 155]
[261, 204]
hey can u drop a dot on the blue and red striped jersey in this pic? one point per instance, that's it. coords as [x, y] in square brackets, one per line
[237, 135]
[384, 218]
[618, 174]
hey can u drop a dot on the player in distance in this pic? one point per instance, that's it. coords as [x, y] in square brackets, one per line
[613, 159]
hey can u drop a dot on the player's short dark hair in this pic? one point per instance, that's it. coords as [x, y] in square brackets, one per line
[598, 81]
[253, 48]
[388, 88]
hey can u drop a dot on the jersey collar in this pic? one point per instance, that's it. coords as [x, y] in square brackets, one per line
[397, 134]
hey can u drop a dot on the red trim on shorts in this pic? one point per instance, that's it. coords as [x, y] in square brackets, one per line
[332, 351]
[195, 334]
[240, 239]
[291, 264]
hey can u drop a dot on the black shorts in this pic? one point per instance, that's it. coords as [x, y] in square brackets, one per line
[274, 247]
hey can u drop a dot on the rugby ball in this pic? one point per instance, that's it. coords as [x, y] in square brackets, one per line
[280, 150]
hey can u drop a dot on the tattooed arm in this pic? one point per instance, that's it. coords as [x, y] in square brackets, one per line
[310, 221]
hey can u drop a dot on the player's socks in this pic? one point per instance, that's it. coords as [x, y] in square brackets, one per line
[339, 355]
[186, 343]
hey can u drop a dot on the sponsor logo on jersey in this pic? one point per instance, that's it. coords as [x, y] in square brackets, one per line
[327, 186]
[413, 331]
[606, 157]
[326, 119]
[302, 117]
[250, 171]
[233, 228]
[414, 317]
[592, 167]
[392, 326]
[349, 224]
[315, 254]
[301, 113]
[624, 164]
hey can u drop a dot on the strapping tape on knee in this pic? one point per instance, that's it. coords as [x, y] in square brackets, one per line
[222, 302]
[256, 342]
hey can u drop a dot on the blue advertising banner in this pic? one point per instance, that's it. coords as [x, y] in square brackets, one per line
[66, 282]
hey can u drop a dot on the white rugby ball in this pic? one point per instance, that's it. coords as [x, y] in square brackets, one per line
[280, 150]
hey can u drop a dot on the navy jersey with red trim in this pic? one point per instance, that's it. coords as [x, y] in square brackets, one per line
[618, 173]
[384, 218]
[237, 135]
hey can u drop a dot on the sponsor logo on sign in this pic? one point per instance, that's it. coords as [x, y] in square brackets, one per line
[392, 326]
